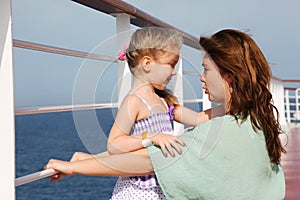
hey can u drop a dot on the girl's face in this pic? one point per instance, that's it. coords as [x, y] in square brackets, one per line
[162, 70]
[214, 84]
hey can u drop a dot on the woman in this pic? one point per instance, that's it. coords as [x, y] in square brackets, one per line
[231, 157]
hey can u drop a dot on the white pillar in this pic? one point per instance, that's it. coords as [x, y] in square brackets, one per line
[206, 104]
[124, 75]
[7, 126]
[287, 104]
[277, 92]
[297, 111]
[178, 92]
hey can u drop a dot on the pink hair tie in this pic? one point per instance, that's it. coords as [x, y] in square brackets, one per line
[122, 53]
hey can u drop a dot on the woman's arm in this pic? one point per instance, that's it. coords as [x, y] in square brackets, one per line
[192, 118]
[127, 164]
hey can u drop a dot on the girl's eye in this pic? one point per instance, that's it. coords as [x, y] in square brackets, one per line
[173, 64]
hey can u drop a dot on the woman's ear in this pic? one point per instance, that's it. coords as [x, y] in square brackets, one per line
[146, 62]
[228, 78]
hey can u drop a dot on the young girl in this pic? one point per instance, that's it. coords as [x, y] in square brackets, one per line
[148, 110]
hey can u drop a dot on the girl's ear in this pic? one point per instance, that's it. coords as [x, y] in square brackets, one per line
[145, 62]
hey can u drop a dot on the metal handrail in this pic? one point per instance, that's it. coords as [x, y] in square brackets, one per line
[50, 109]
[292, 115]
[139, 17]
[61, 51]
[34, 177]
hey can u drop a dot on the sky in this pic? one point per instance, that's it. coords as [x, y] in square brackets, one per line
[48, 79]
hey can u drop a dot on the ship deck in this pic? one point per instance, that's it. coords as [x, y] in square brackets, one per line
[291, 164]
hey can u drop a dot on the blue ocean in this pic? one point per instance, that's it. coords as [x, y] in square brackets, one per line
[40, 137]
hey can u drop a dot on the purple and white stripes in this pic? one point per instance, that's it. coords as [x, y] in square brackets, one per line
[156, 122]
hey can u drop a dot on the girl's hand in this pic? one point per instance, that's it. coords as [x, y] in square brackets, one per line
[167, 143]
[62, 167]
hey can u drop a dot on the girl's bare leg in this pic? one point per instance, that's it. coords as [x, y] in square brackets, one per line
[128, 164]
[77, 156]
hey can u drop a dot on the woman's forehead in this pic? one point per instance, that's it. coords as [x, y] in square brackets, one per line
[206, 59]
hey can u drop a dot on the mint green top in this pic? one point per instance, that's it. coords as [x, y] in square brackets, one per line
[221, 160]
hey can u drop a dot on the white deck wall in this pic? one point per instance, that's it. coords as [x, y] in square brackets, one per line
[277, 91]
[7, 126]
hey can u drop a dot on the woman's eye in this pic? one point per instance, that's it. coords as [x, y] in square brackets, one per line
[204, 68]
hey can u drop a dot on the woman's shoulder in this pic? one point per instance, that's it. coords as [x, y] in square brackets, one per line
[225, 119]
[225, 126]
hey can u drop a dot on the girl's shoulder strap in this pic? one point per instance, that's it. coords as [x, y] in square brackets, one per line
[143, 100]
[164, 102]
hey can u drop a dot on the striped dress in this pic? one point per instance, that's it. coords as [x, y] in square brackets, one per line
[144, 187]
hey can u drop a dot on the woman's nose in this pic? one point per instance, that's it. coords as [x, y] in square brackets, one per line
[202, 78]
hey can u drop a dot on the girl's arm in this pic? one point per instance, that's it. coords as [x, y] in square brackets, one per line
[192, 118]
[120, 142]
[127, 164]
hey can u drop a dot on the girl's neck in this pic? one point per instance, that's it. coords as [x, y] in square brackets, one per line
[142, 86]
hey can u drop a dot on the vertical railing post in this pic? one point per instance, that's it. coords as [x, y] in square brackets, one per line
[297, 111]
[287, 106]
[124, 75]
[277, 91]
[206, 104]
[178, 92]
[7, 126]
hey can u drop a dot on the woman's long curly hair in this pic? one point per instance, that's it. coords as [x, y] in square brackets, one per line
[236, 53]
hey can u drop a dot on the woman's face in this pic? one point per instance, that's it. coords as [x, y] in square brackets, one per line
[214, 84]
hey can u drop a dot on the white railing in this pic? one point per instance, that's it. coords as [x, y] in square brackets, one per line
[34, 177]
[277, 91]
[292, 105]
[7, 172]
[122, 26]
[7, 126]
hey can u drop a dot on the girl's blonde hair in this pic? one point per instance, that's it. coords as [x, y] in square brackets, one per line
[154, 42]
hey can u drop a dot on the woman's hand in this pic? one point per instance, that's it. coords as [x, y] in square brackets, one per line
[167, 143]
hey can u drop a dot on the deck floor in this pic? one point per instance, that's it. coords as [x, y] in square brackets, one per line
[291, 165]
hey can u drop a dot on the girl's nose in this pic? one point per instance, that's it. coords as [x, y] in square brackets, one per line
[174, 72]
